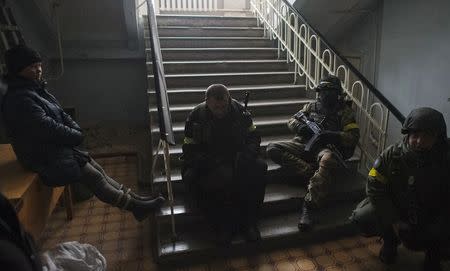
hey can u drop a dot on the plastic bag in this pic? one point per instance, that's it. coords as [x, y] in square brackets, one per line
[73, 256]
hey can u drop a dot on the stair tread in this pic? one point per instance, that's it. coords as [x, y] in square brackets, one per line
[278, 192]
[271, 102]
[203, 16]
[218, 49]
[333, 222]
[223, 61]
[233, 88]
[212, 38]
[225, 74]
[258, 121]
[274, 192]
[211, 27]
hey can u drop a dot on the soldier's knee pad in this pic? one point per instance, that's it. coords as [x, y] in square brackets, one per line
[326, 159]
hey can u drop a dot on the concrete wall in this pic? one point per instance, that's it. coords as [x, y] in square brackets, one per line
[104, 77]
[414, 55]
[410, 61]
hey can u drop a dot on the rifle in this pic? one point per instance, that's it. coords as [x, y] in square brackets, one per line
[317, 131]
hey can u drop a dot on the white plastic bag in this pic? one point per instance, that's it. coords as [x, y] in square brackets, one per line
[73, 256]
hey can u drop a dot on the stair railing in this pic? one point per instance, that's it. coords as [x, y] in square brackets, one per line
[162, 102]
[313, 57]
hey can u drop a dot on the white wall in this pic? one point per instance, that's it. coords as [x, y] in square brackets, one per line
[414, 55]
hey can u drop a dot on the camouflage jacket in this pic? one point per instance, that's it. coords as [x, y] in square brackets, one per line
[410, 188]
[342, 120]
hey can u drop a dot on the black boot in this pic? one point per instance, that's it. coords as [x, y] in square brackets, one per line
[141, 209]
[306, 222]
[432, 260]
[388, 251]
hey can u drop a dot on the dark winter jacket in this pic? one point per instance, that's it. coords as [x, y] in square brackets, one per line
[43, 136]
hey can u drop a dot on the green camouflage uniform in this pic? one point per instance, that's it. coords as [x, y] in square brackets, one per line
[318, 165]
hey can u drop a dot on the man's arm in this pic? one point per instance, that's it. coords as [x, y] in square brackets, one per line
[349, 136]
[70, 122]
[194, 154]
[296, 126]
[377, 189]
[27, 113]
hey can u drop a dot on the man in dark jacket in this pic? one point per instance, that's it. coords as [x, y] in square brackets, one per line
[45, 138]
[408, 196]
[319, 164]
[221, 166]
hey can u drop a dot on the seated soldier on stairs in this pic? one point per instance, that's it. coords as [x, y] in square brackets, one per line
[338, 137]
[221, 168]
[46, 139]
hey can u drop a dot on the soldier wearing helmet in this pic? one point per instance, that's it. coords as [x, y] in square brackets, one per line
[319, 164]
[408, 197]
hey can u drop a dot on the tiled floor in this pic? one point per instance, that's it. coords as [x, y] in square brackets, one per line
[126, 243]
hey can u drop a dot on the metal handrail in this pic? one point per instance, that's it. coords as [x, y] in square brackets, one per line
[313, 58]
[400, 117]
[162, 101]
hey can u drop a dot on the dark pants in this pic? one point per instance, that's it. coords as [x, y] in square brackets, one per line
[230, 196]
[414, 237]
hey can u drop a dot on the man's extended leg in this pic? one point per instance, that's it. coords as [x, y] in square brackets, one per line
[292, 157]
[108, 193]
[249, 196]
[318, 188]
[116, 184]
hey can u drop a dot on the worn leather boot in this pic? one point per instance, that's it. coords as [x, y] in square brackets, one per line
[388, 251]
[305, 223]
[432, 260]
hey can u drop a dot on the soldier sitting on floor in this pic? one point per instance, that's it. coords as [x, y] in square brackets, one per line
[335, 143]
[408, 194]
[221, 167]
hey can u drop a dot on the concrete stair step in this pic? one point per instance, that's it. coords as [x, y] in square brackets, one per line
[208, 31]
[279, 197]
[221, 66]
[242, 78]
[211, 42]
[192, 54]
[257, 92]
[179, 112]
[219, 12]
[267, 126]
[277, 231]
[202, 20]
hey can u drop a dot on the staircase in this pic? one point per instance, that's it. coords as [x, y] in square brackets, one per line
[202, 50]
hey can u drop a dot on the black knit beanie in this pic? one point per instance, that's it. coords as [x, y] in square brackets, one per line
[20, 57]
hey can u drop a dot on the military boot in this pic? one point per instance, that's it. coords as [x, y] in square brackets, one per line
[388, 251]
[141, 209]
[305, 223]
[432, 260]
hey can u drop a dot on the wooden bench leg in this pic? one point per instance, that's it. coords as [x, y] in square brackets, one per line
[68, 202]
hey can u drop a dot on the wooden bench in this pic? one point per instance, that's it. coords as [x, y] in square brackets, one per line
[33, 201]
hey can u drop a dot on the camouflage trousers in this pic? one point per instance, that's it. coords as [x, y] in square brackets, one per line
[317, 168]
